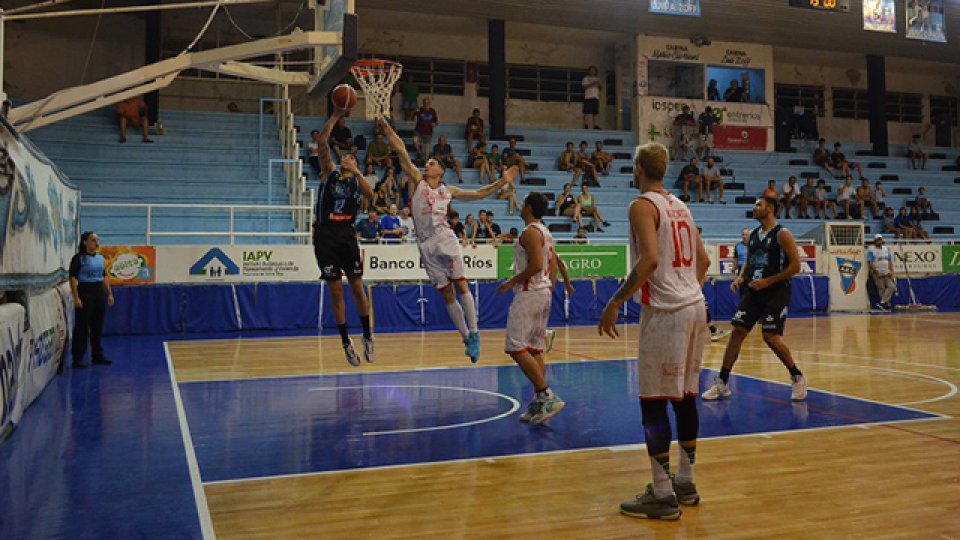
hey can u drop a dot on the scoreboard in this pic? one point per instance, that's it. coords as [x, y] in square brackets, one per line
[839, 6]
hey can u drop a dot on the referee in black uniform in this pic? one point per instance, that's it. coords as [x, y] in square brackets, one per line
[91, 296]
[772, 260]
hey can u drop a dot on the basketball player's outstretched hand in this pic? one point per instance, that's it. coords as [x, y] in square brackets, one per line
[608, 321]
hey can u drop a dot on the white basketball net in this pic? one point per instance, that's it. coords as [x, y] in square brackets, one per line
[376, 80]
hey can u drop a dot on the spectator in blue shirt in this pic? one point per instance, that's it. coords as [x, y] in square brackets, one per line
[390, 227]
[369, 230]
[741, 251]
[91, 296]
[916, 224]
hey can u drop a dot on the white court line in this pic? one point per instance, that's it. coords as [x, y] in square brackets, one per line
[199, 497]
[493, 459]
[515, 405]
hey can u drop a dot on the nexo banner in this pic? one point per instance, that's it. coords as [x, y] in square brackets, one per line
[917, 259]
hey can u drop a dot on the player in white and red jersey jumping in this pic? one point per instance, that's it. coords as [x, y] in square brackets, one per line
[440, 250]
[669, 266]
[534, 266]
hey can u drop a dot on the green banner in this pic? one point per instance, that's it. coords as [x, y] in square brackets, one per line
[581, 261]
[951, 259]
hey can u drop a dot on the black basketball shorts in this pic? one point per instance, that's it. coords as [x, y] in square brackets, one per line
[769, 307]
[337, 253]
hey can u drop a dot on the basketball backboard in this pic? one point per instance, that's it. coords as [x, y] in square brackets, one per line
[332, 63]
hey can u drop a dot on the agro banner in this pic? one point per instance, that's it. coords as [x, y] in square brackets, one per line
[39, 215]
[234, 264]
[676, 7]
[740, 138]
[130, 265]
[917, 259]
[808, 258]
[46, 334]
[925, 20]
[401, 262]
[12, 356]
[581, 261]
[880, 16]
[950, 255]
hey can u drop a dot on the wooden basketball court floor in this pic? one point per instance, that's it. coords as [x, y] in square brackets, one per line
[278, 437]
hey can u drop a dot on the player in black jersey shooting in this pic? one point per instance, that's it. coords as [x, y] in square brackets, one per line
[772, 260]
[335, 241]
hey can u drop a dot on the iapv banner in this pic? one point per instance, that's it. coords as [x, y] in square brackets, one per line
[401, 262]
[676, 7]
[925, 20]
[130, 265]
[581, 261]
[12, 357]
[915, 259]
[234, 264]
[39, 215]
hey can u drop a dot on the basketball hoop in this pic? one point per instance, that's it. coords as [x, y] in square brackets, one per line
[376, 78]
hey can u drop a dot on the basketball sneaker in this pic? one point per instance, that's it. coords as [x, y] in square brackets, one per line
[532, 408]
[352, 357]
[648, 506]
[718, 335]
[719, 390]
[368, 352]
[473, 346]
[550, 336]
[798, 391]
[547, 409]
[685, 490]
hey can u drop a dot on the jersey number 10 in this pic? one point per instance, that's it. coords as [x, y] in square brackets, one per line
[682, 244]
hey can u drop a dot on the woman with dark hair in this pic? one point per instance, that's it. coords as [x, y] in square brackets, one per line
[91, 296]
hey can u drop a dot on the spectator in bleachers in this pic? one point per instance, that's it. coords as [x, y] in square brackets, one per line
[591, 98]
[567, 205]
[902, 222]
[391, 230]
[587, 166]
[916, 224]
[839, 160]
[922, 203]
[706, 122]
[821, 157]
[508, 237]
[890, 225]
[808, 197]
[313, 152]
[496, 160]
[368, 231]
[790, 197]
[443, 153]
[370, 177]
[734, 94]
[453, 218]
[824, 202]
[409, 227]
[588, 207]
[493, 225]
[601, 159]
[479, 160]
[133, 111]
[880, 195]
[771, 191]
[341, 139]
[713, 92]
[509, 193]
[569, 162]
[581, 236]
[740, 251]
[511, 158]
[426, 120]
[880, 260]
[387, 193]
[404, 189]
[690, 175]
[917, 154]
[474, 128]
[683, 130]
[409, 97]
[845, 195]
[469, 227]
[483, 231]
[379, 153]
[355, 152]
[865, 198]
[711, 179]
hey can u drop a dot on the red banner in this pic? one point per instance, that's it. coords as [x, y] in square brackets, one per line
[740, 138]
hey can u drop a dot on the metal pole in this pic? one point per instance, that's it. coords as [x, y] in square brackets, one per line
[231, 226]
[131, 9]
[148, 224]
[3, 95]
[39, 5]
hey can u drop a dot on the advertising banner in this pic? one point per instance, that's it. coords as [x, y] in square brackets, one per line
[950, 255]
[46, 335]
[581, 261]
[880, 16]
[808, 258]
[740, 138]
[12, 355]
[130, 265]
[676, 7]
[401, 262]
[848, 278]
[717, 53]
[39, 215]
[917, 259]
[925, 20]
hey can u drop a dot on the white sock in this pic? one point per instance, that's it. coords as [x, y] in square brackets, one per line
[662, 487]
[469, 310]
[686, 467]
[456, 315]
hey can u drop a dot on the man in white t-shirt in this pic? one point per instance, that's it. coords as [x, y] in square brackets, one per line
[591, 98]
[791, 194]
[845, 195]
[917, 154]
[881, 271]
[711, 179]
[406, 222]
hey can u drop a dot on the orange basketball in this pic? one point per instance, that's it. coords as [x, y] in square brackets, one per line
[344, 97]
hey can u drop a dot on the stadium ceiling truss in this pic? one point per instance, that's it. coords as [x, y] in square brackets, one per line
[77, 100]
